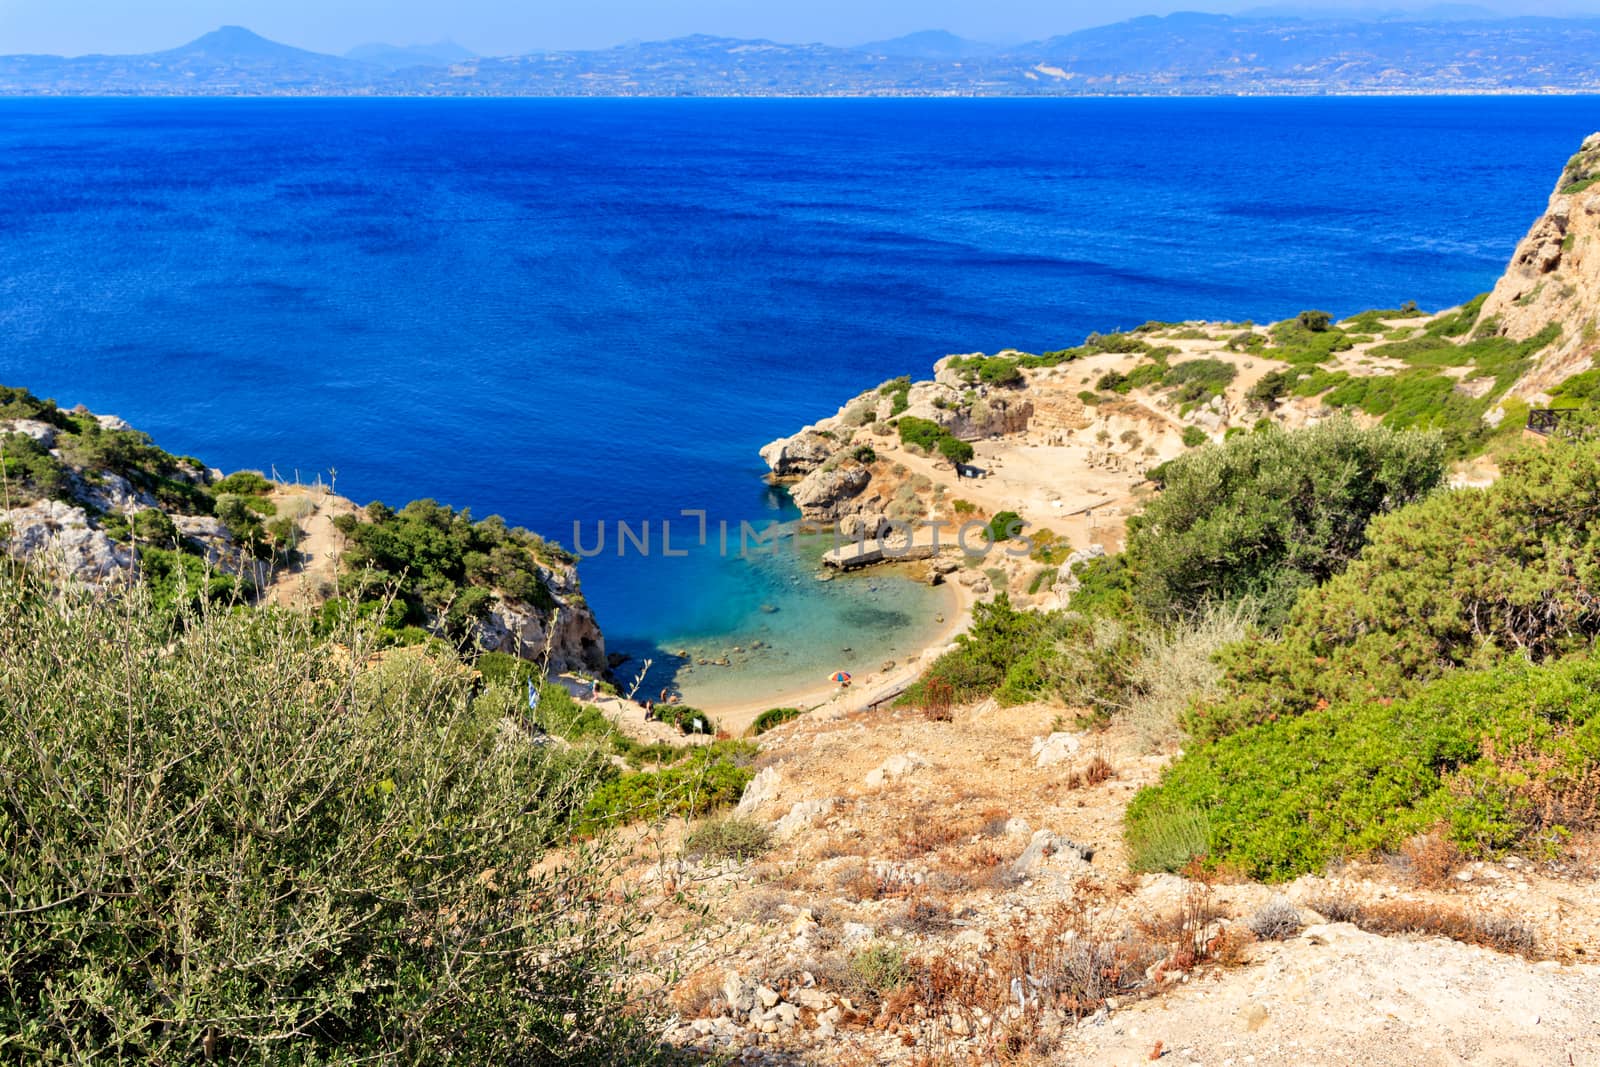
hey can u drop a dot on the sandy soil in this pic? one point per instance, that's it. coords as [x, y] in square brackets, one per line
[311, 580]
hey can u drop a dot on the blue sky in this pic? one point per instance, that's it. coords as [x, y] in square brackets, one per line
[501, 27]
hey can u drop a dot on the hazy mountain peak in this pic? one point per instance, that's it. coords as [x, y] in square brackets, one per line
[230, 41]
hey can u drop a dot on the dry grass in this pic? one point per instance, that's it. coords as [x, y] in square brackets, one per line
[1556, 797]
[1275, 921]
[1032, 974]
[1096, 772]
[1430, 858]
[699, 996]
[1176, 668]
[1428, 917]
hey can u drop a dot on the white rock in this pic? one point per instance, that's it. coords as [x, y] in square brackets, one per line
[761, 789]
[801, 816]
[1056, 748]
[58, 534]
[855, 933]
[41, 432]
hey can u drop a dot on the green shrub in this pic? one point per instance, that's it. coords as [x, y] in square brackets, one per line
[1005, 526]
[931, 438]
[444, 565]
[1042, 578]
[1264, 515]
[1458, 323]
[712, 777]
[991, 370]
[243, 483]
[16, 403]
[1463, 579]
[955, 450]
[182, 583]
[1090, 399]
[1166, 838]
[235, 844]
[899, 390]
[1270, 388]
[1194, 437]
[772, 718]
[1315, 321]
[880, 967]
[1000, 637]
[30, 471]
[1198, 380]
[1285, 798]
[727, 839]
[688, 720]
[1295, 342]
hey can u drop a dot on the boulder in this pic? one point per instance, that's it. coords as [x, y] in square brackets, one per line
[865, 527]
[801, 816]
[1042, 846]
[111, 492]
[520, 629]
[1066, 582]
[1057, 748]
[41, 432]
[896, 766]
[797, 456]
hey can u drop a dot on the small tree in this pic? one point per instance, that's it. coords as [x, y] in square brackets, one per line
[1315, 321]
[1267, 514]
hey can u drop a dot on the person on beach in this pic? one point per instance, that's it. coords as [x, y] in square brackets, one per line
[649, 711]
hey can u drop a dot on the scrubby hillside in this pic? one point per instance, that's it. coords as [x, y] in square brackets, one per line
[1272, 736]
[96, 500]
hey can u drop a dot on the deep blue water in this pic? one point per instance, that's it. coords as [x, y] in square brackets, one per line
[561, 310]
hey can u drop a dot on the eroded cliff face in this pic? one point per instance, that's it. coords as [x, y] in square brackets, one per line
[521, 629]
[1554, 277]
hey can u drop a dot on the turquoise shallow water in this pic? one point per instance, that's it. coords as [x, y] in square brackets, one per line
[597, 311]
[795, 630]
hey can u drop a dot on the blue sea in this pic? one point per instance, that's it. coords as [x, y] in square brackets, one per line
[593, 311]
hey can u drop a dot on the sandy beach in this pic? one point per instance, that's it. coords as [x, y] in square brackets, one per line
[735, 717]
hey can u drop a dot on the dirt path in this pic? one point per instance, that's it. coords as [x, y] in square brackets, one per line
[312, 579]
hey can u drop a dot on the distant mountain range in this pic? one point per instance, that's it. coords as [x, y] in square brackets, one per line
[1450, 50]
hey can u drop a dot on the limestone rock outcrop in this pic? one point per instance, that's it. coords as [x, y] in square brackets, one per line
[59, 537]
[1554, 277]
[798, 456]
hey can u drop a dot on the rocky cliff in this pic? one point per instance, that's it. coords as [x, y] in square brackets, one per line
[1554, 277]
[93, 500]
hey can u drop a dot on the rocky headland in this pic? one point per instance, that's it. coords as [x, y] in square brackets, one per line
[96, 501]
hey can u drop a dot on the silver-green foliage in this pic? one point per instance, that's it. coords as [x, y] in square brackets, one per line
[245, 843]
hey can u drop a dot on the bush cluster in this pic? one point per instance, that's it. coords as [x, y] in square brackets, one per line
[1285, 797]
[1464, 579]
[1264, 515]
[932, 438]
[447, 568]
[243, 844]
